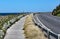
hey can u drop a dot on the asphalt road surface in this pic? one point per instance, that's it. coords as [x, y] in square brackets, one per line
[15, 31]
[51, 22]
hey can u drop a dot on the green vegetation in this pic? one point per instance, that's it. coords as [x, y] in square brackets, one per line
[56, 11]
[6, 18]
[58, 14]
[3, 20]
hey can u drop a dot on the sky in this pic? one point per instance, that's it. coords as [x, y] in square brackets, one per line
[28, 5]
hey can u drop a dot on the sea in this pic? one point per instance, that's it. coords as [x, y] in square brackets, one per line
[9, 14]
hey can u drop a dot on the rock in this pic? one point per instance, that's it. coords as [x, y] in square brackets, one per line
[13, 20]
[19, 16]
[5, 25]
[9, 23]
[1, 33]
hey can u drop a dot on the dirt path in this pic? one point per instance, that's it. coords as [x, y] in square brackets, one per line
[15, 31]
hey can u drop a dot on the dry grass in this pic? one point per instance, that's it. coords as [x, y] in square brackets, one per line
[31, 31]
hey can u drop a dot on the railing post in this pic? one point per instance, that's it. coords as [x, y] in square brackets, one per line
[58, 36]
[48, 34]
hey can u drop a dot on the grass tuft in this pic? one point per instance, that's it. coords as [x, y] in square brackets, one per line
[32, 31]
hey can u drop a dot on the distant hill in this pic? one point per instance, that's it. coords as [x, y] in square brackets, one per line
[56, 11]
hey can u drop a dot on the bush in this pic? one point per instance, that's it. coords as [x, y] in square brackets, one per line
[56, 11]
